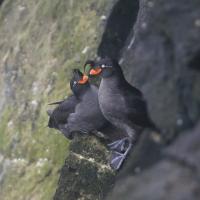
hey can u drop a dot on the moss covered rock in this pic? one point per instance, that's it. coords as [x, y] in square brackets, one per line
[86, 174]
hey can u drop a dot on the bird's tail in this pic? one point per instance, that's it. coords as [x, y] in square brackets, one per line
[56, 102]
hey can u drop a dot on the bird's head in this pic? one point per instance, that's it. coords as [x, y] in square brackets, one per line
[79, 81]
[105, 67]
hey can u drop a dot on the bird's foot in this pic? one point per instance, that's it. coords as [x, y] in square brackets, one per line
[119, 145]
[117, 158]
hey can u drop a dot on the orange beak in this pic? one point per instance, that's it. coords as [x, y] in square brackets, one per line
[84, 79]
[95, 71]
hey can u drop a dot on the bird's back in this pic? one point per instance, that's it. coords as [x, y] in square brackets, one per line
[121, 102]
[61, 113]
[87, 115]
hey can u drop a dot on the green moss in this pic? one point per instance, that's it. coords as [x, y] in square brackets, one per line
[84, 175]
[5, 137]
[89, 148]
[47, 43]
[37, 183]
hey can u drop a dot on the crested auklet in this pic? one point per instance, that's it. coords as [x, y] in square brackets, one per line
[122, 105]
[80, 112]
[87, 116]
[59, 116]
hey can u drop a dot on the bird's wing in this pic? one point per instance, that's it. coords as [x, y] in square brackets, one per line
[136, 110]
[87, 116]
[125, 86]
[62, 111]
[80, 120]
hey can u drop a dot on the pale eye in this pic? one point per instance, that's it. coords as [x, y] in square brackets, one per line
[75, 82]
[103, 66]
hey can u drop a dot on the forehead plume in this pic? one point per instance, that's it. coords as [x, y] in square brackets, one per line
[77, 74]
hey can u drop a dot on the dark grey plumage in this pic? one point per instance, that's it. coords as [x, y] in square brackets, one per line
[80, 112]
[87, 116]
[121, 104]
[59, 116]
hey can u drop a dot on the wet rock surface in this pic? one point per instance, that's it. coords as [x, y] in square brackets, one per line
[158, 45]
[175, 176]
[159, 57]
[86, 173]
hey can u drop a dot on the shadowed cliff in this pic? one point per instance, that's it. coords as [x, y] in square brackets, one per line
[157, 43]
[160, 55]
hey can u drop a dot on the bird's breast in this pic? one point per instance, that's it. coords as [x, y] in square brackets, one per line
[110, 100]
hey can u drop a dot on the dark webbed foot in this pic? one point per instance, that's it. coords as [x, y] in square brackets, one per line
[117, 158]
[119, 145]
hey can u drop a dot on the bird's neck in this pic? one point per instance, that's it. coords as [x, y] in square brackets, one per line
[81, 92]
[115, 80]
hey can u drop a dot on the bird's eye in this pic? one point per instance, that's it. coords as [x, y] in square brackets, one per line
[75, 82]
[103, 66]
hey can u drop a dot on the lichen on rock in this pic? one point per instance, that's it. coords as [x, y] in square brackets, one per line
[86, 173]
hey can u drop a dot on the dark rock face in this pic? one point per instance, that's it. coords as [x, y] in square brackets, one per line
[158, 59]
[1, 1]
[176, 176]
[86, 173]
[118, 27]
[161, 56]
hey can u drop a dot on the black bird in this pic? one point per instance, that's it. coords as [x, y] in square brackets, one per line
[122, 105]
[80, 112]
[58, 117]
[87, 116]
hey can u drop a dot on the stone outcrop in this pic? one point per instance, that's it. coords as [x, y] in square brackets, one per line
[175, 176]
[158, 46]
[160, 57]
[86, 173]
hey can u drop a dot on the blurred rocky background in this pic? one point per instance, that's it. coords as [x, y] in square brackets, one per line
[158, 45]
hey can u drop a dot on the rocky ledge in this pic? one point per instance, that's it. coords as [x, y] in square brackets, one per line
[86, 174]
